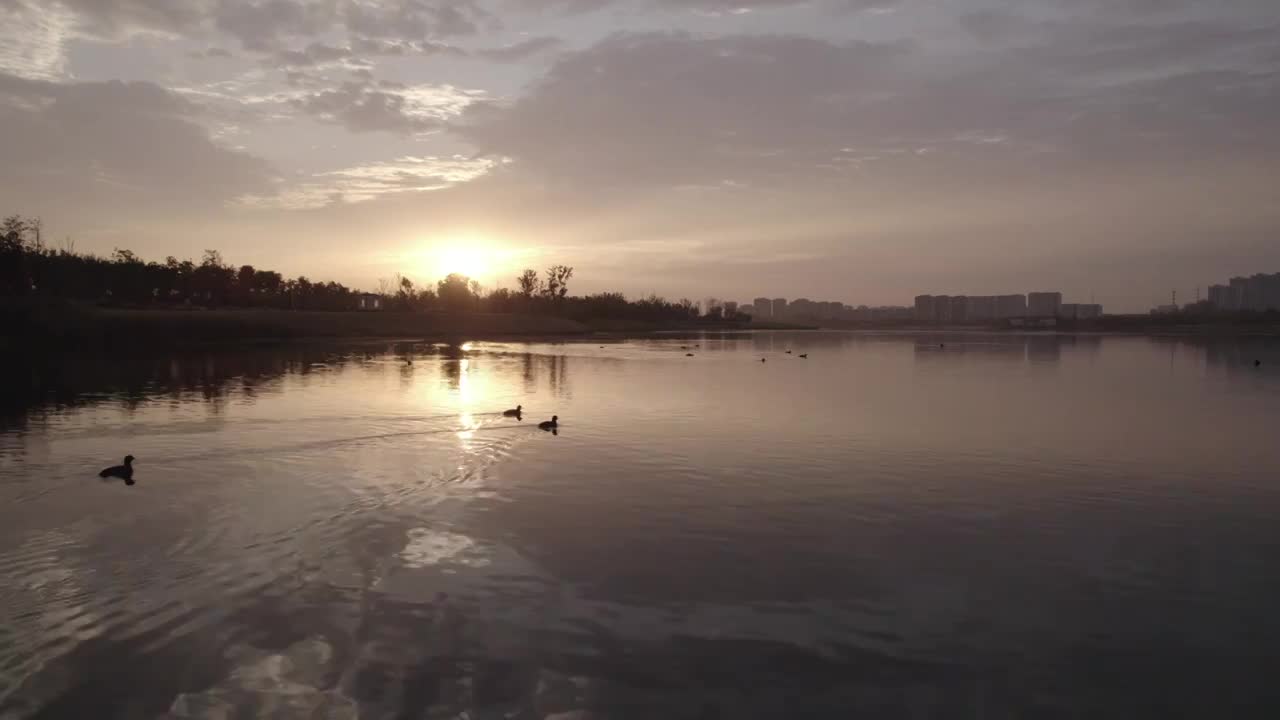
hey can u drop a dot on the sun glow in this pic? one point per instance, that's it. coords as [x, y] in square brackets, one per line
[466, 256]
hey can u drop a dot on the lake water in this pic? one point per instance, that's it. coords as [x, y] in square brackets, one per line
[898, 526]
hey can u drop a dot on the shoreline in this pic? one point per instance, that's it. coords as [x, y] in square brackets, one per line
[85, 327]
[65, 325]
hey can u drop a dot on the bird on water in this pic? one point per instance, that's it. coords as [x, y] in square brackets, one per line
[804, 355]
[124, 472]
[514, 412]
[551, 424]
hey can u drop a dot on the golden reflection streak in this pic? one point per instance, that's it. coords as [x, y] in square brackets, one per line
[465, 390]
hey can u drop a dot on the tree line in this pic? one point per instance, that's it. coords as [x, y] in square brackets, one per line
[30, 267]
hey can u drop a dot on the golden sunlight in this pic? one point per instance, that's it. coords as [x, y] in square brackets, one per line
[467, 257]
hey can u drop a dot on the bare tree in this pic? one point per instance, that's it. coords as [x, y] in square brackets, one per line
[557, 285]
[35, 228]
[529, 283]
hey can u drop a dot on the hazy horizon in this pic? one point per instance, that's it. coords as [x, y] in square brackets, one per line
[856, 150]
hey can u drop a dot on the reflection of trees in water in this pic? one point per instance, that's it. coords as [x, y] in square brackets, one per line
[555, 368]
[40, 382]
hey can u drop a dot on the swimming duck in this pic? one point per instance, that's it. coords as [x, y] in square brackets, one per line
[804, 355]
[688, 354]
[761, 359]
[551, 424]
[124, 472]
[514, 412]
[788, 352]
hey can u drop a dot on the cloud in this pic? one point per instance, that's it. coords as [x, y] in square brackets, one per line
[717, 7]
[362, 107]
[409, 174]
[670, 109]
[320, 54]
[32, 41]
[412, 19]
[315, 53]
[266, 24]
[521, 50]
[259, 25]
[114, 144]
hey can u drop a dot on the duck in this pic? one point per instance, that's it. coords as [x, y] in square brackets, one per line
[408, 361]
[762, 359]
[788, 352]
[804, 355]
[688, 354]
[124, 472]
[1257, 363]
[551, 424]
[514, 412]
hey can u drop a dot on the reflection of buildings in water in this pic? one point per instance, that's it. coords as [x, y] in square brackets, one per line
[1081, 344]
[1238, 354]
[1039, 349]
[1046, 349]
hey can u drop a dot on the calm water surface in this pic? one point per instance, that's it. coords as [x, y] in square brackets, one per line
[899, 526]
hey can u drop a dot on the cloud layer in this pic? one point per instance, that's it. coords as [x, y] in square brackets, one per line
[851, 128]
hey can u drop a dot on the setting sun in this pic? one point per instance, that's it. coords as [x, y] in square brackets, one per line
[465, 256]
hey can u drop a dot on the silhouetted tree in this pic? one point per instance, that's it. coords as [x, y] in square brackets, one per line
[557, 285]
[455, 292]
[529, 283]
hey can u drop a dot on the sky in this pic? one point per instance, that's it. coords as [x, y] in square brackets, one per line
[856, 150]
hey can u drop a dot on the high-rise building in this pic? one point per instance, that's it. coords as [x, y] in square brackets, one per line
[1224, 297]
[1043, 304]
[763, 308]
[779, 307]
[924, 308]
[1011, 306]
[1258, 293]
[981, 308]
[942, 309]
[959, 309]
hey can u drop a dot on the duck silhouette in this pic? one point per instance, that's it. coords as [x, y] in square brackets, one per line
[514, 412]
[124, 472]
[688, 354]
[788, 352]
[762, 359]
[804, 355]
[551, 424]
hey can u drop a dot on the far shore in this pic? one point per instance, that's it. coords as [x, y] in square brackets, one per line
[88, 327]
[64, 324]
